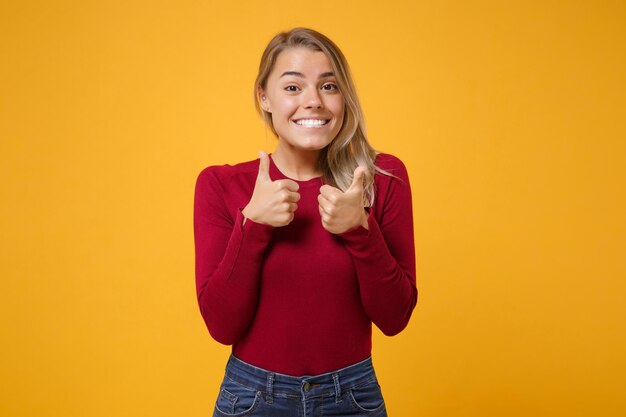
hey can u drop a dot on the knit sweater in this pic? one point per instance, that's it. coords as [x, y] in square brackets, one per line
[297, 299]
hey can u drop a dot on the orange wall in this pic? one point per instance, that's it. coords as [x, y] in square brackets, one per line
[508, 115]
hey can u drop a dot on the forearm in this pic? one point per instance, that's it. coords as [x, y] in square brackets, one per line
[388, 290]
[227, 290]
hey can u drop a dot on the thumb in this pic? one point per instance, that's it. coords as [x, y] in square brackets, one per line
[264, 167]
[357, 179]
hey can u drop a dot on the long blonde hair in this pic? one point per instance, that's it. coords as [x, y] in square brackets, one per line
[350, 147]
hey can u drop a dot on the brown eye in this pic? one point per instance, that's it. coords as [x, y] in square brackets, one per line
[329, 87]
[291, 88]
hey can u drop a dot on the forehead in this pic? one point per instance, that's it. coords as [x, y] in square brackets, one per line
[303, 60]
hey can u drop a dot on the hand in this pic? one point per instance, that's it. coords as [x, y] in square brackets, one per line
[272, 202]
[340, 210]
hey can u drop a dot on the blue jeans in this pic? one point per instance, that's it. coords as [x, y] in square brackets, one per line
[251, 391]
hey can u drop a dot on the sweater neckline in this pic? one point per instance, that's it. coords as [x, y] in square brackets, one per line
[278, 174]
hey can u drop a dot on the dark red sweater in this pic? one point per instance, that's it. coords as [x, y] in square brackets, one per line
[298, 299]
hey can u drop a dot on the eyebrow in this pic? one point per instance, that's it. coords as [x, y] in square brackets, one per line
[301, 75]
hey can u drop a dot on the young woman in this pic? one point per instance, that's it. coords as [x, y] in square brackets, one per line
[300, 251]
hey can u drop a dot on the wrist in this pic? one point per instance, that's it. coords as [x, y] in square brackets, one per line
[364, 220]
[246, 213]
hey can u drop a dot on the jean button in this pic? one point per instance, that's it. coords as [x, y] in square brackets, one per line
[306, 387]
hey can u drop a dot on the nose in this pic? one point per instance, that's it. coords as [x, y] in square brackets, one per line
[313, 99]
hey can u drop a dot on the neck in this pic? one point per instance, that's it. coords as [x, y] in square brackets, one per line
[298, 164]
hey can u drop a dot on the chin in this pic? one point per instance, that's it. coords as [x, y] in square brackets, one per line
[308, 144]
[313, 145]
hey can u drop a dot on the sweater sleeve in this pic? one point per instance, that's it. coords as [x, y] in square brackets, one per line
[229, 257]
[384, 256]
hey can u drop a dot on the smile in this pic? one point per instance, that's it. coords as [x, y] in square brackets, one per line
[311, 122]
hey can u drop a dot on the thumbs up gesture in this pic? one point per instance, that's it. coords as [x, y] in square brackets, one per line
[272, 202]
[341, 211]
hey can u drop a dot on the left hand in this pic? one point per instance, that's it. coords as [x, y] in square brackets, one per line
[341, 211]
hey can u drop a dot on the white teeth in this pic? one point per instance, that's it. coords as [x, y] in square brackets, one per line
[311, 122]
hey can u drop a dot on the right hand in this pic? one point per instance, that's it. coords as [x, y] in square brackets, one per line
[272, 202]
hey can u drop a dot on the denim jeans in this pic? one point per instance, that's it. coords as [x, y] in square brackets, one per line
[251, 391]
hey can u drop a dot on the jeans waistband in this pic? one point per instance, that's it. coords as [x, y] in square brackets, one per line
[309, 386]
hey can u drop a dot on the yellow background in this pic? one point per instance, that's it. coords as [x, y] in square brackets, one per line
[510, 117]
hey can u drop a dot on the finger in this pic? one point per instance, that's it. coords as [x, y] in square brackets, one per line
[325, 206]
[288, 219]
[293, 197]
[325, 218]
[290, 185]
[321, 210]
[285, 196]
[357, 179]
[330, 193]
[292, 207]
[264, 167]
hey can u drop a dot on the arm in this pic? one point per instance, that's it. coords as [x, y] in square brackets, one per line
[229, 257]
[384, 256]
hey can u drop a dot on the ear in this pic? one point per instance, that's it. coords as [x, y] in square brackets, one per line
[263, 100]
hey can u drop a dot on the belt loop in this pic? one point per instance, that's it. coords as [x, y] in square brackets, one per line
[270, 388]
[337, 388]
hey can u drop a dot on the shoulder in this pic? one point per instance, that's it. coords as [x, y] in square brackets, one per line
[226, 182]
[225, 173]
[221, 189]
[392, 164]
[392, 185]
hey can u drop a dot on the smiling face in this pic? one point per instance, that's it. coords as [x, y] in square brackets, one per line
[302, 95]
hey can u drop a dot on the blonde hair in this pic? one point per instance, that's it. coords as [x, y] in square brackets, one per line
[350, 147]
